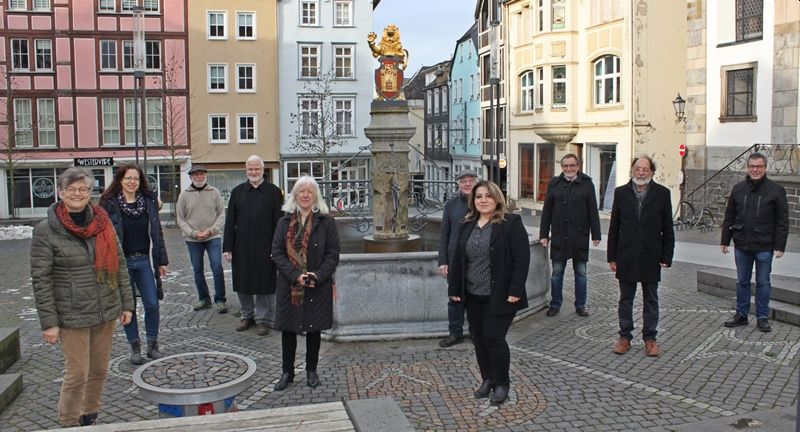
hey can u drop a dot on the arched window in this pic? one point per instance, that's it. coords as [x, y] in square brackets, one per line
[526, 86]
[606, 80]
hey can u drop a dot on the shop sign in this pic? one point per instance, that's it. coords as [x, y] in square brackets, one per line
[94, 162]
[43, 188]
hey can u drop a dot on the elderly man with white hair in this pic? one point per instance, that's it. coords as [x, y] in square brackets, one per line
[254, 209]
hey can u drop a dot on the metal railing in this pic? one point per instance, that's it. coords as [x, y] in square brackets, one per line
[704, 207]
[353, 198]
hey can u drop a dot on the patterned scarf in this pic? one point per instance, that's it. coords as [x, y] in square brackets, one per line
[297, 249]
[133, 210]
[106, 261]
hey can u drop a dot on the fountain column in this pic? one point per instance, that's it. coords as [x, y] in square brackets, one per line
[389, 130]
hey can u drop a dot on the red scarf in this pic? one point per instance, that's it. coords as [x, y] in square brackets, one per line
[297, 250]
[106, 260]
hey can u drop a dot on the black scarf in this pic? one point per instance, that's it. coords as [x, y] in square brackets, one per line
[133, 210]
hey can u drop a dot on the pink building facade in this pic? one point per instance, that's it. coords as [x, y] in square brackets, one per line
[67, 96]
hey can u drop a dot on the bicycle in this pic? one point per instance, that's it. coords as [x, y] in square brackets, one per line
[686, 216]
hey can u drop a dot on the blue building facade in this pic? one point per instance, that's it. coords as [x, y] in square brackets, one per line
[465, 104]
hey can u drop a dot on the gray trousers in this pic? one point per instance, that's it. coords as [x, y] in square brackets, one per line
[257, 307]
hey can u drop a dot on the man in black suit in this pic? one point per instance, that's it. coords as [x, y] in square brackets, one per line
[640, 242]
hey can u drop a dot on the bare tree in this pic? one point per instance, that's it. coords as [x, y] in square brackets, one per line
[319, 131]
[11, 154]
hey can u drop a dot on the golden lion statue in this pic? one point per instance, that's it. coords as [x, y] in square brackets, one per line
[389, 45]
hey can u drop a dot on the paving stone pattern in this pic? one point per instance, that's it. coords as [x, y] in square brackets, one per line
[194, 371]
[564, 376]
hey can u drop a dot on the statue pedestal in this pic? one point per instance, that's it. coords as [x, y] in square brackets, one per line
[412, 243]
[389, 130]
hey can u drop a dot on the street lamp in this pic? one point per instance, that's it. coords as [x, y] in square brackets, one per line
[679, 105]
[138, 82]
[494, 93]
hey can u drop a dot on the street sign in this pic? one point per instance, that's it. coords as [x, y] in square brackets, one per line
[682, 150]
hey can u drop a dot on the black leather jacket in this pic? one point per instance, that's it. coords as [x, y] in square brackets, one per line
[757, 216]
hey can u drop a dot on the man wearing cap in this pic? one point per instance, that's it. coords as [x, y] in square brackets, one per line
[569, 215]
[201, 218]
[454, 211]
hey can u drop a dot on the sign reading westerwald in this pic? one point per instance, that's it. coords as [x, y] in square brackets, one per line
[94, 162]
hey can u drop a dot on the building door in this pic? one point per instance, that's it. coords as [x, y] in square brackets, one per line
[601, 166]
[546, 160]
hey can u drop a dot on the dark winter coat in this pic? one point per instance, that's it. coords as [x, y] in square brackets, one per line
[64, 282]
[316, 311]
[510, 256]
[570, 213]
[454, 211]
[640, 243]
[250, 224]
[158, 249]
[757, 216]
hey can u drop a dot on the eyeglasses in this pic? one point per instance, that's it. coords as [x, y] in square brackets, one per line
[131, 179]
[77, 190]
[569, 165]
[642, 169]
[755, 166]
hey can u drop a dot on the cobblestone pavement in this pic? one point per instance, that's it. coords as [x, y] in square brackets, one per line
[564, 376]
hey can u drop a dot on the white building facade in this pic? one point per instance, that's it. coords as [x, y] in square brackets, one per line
[324, 42]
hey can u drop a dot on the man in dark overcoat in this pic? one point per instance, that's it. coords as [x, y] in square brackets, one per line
[254, 209]
[568, 216]
[641, 241]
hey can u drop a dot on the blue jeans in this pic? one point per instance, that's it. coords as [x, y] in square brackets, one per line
[455, 318]
[557, 283]
[143, 281]
[744, 271]
[214, 249]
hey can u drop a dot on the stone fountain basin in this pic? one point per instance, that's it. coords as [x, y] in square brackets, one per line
[401, 295]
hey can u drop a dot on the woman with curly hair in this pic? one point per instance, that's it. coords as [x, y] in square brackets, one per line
[133, 209]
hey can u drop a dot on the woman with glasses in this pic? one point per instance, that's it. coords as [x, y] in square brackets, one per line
[133, 209]
[79, 291]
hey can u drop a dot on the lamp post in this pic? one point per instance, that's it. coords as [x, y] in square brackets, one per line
[494, 81]
[138, 82]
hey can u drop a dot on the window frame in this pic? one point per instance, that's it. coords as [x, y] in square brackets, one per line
[527, 91]
[307, 129]
[727, 96]
[223, 25]
[350, 14]
[130, 127]
[741, 20]
[12, 5]
[301, 57]
[20, 55]
[599, 80]
[152, 127]
[239, 25]
[104, 55]
[46, 125]
[239, 118]
[211, 129]
[252, 78]
[106, 126]
[149, 56]
[301, 14]
[555, 81]
[105, 9]
[351, 124]
[224, 88]
[45, 58]
[27, 131]
[562, 6]
[336, 57]
[539, 77]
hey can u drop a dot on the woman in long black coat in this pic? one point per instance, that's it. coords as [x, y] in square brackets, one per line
[305, 250]
[488, 271]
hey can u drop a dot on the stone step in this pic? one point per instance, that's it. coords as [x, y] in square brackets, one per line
[784, 301]
[722, 282]
[9, 348]
[10, 388]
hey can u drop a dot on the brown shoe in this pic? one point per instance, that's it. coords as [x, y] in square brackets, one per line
[262, 329]
[245, 324]
[651, 348]
[622, 346]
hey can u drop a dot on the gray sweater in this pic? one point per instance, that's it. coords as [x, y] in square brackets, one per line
[199, 210]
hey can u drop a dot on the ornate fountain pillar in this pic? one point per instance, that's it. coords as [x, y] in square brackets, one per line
[389, 130]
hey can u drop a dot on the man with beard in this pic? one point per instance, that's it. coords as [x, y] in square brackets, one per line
[254, 209]
[640, 243]
[757, 219]
[570, 212]
[201, 215]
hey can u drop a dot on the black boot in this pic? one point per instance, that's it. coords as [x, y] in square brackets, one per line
[136, 353]
[88, 419]
[312, 379]
[152, 350]
[286, 378]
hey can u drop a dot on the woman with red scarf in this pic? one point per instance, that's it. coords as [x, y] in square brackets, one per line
[79, 291]
[305, 249]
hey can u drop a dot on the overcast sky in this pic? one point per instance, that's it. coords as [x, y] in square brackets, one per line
[428, 28]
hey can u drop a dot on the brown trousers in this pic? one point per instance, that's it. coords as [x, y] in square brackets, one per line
[86, 353]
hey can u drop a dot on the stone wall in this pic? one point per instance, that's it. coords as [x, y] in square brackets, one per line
[785, 73]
